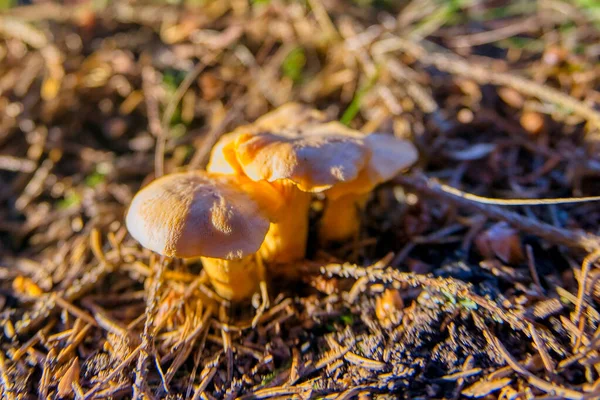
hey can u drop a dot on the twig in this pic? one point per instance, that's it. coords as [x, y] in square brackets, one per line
[476, 39]
[323, 19]
[78, 288]
[147, 341]
[541, 346]
[45, 12]
[7, 387]
[451, 286]
[159, 157]
[207, 375]
[17, 29]
[585, 269]
[161, 373]
[149, 83]
[281, 392]
[363, 362]
[187, 345]
[456, 65]
[73, 343]
[199, 157]
[516, 202]
[532, 268]
[11, 163]
[541, 384]
[35, 185]
[197, 358]
[574, 239]
[113, 373]
[76, 311]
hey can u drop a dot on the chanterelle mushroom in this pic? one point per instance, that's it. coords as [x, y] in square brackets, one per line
[289, 117]
[222, 219]
[388, 156]
[296, 159]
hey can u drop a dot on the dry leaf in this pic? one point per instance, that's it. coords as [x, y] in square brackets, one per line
[501, 241]
[388, 304]
[65, 386]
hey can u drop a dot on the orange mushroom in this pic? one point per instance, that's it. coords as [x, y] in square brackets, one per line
[297, 159]
[299, 153]
[388, 157]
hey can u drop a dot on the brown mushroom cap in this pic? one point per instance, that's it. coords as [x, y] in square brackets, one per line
[315, 157]
[389, 156]
[195, 214]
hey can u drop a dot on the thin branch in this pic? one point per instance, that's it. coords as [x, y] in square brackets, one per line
[452, 286]
[159, 156]
[5, 379]
[516, 202]
[570, 238]
[147, 340]
[456, 65]
[581, 292]
[113, 373]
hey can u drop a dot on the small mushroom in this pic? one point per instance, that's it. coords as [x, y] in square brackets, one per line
[222, 219]
[388, 156]
[303, 157]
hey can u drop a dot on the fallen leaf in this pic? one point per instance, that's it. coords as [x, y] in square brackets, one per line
[388, 304]
[65, 386]
[501, 241]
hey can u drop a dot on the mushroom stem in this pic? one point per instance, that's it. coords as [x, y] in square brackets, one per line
[286, 239]
[233, 280]
[341, 217]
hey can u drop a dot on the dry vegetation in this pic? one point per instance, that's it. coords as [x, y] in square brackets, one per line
[440, 297]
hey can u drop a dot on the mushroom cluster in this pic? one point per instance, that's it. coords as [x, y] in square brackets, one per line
[296, 150]
[303, 157]
[252, 203]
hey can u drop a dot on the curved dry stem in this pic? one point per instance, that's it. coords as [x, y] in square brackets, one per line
[570, 238]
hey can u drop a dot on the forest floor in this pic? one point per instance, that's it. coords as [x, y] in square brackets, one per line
[441, 296]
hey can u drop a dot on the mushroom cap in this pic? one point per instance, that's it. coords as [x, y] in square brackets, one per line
[195, 214]
[288, 117]
[315, 157]
[223, 159]
[389, 156]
